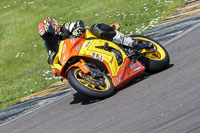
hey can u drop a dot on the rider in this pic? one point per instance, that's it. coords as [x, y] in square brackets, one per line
[52, 32]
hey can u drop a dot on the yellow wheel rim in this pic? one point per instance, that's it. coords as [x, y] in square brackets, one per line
[78, 75]
[158, 55]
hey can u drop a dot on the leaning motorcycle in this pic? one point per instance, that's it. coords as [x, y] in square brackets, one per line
[96, 67]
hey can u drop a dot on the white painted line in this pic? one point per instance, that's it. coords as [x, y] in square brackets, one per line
[30, 111]
[181, 35]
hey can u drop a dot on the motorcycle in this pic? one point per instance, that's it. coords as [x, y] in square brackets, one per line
[96, 67]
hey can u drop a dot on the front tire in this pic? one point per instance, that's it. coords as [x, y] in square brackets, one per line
[79, 82]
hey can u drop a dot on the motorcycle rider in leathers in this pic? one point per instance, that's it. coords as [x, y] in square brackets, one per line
[53, 33]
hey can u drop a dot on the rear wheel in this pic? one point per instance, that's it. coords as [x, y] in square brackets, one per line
[85, 84]
[154, 61]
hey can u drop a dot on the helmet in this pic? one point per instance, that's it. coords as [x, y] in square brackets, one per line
[49, 29]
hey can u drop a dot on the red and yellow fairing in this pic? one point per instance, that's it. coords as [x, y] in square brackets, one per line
[92, 48]
[67, 49]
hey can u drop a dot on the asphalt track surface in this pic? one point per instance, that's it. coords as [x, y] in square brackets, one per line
[166, 102]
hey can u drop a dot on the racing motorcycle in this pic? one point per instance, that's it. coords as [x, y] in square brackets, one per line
[96, 67]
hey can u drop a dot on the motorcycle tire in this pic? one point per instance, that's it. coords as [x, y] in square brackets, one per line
[154, 64]
[76, 80]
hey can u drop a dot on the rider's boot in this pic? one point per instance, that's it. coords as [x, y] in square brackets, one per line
[120, 38]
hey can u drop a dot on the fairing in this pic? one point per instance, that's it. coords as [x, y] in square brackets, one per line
[92, 47]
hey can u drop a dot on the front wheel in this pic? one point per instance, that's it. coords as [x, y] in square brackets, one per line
[85, 84]
[153, 61]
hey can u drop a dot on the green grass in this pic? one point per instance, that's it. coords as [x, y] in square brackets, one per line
[23, 57]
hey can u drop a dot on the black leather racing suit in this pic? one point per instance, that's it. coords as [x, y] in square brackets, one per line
[76, 29]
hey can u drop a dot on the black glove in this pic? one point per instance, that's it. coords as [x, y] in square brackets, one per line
[51, 58]
[49, 61]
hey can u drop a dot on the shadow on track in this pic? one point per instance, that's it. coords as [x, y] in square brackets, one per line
[83, 100]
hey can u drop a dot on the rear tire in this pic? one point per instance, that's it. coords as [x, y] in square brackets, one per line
[82, 86]
[154, 65]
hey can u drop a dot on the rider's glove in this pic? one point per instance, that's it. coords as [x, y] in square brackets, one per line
[49, 61]
[51, 58]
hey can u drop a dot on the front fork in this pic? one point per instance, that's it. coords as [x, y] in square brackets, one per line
[85, 68]
[91, 74]
[80, 64]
